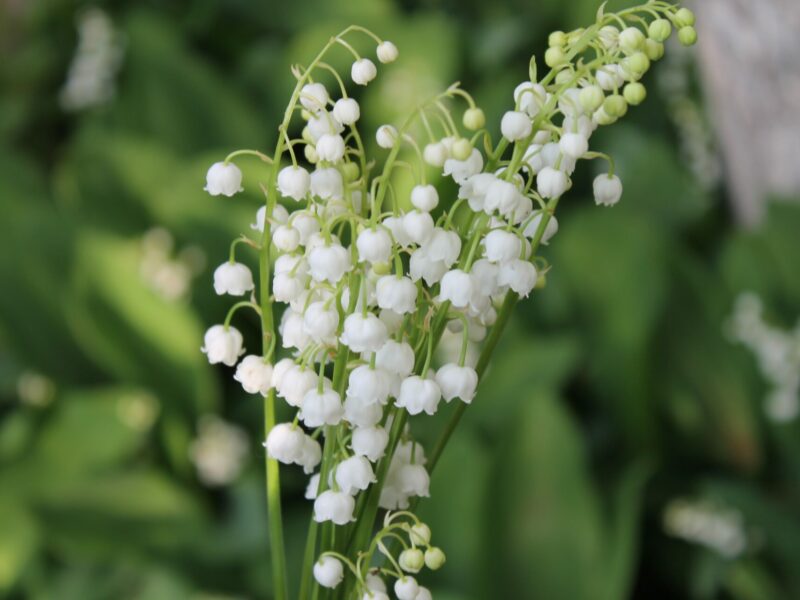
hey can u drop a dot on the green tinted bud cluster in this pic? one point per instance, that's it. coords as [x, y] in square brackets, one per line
[636, 64]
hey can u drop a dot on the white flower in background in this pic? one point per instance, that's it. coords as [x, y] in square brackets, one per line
[233, 278]
[715, 527]
[218, 452]
[363, 71]
[328, 571]
[387, 52]
[223, 179]
[166, 273]
[607, 190]
[385, 136]
[223, 345]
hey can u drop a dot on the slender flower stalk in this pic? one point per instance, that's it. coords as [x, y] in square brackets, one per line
[367, 287]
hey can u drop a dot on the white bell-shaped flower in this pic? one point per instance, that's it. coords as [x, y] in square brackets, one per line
[314, 97]
[286, 238]
[327, 184]
[311, 455]
[573, 145]
[287, 288]
[435, 154]
[334, 506]
[424, 197]
[460, 170]
[414, 480]
[371, 385]
[330, 148]
[551, 183]
[406, 588]
[519, 275]
[321, 123]
[444, 246]
[354, 475]
[233, 278]
[312, 488]
[610, 77]
[321, 320]
[530, 97]
[549, 231]
[223, 345]
[423, 266]
[474, 189]
[374, 245]
[386, 136]
[295, 383]
[396, 357]
[398, 294]
[294, 182]
[552, 156]
[328, 571]
[396, 227]
[279, 370]
[457, 288]
[374, 583]
[501, 246]
[285, 443]
[419, 395]
[254, 374]
[375, 595]
[607, 190]
[321, 408]
[515, 125]
[293, 334]
[361, 412]
[370, 442]
[457, 382]
[363, 71]
[346, 111]
[223, 179]
[501, 196]
[328, 263]
[423, 594]
[387, 52]
[418, 226]
[364, 333]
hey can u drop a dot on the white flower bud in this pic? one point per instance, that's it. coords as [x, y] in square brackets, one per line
[501, 196]
[515, 125]
[406, 588]
[346, 111]
[334, 506]
[354, 474]
[330, 148]
[254, 374]
[370, 442]
[233, 278]
[610, 77]
[387, 52]
[295, 383]
[631, 39]
[327, 184]
[321, 123]
[549, 231]
[292, 332]
[460, 170]
[418, 226]
[312, 489]
[607, 190]
[286, 238]
[411, 560]
[519, 275]
[386, 136]
[398, 294]
[573, 145]
[396, 357]
[279, 370]
[361, 412]
[328, 263]
[285, 443]
[418, 395]
[435, 154]
[363, 71]
[375, 595]
[457, 288]
[328, 571]
[223, 345]
[424, 197]
[321, 408]
[423, 593]
[286, 288]
[368, 384]
[420, 534]
[314, 97]
[293, 182]
[374, 245]
[530, 97]
[223, 179]
[414, 480]
[364, 333]
[434, 559]
[311, 455]
[320, 321]
[551, 183]
[457, 382]
[375, 584]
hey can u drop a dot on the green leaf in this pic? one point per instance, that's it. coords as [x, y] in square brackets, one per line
[19, 541]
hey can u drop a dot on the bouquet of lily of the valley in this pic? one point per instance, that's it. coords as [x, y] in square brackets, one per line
[357, 285]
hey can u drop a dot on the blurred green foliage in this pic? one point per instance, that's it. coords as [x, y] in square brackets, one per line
[614, 393]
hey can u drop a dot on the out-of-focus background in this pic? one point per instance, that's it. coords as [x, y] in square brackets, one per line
[637, 435]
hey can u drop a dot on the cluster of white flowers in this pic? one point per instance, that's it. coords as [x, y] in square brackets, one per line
[369, 287]
[701, 522]
[777, 352]
[219, 451]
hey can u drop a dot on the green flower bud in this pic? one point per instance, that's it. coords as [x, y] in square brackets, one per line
[350, 171]
[420, 534]
[382, 268]
[631, 40]
[554, 57]
[684, 18]
[654, 50]
[474, 119]
[603, 118]
[434, 558]
[311, 154]
[615, 106]
[575, 35]
[564, 76]
[687, 35]
[461, 149]
[659, 30]
[557, 39]
[541, 281]
[306, 135]
[634, 93]
[636, 64]
[591, 98]
[411, 560]
[305, 115]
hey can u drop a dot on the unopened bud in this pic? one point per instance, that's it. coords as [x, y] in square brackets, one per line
[557, 39]
[420, 534]
[350, 171]
[591, 98]
[554, 56]
[634, 93]
[461, 149]
[654, 50]
[434, 558]
[474, 119]
[311, 154]
[687, 35]
[684, 18]
[659, 30]
[631, 40]
[411, 560]
[615, 106]
[636, 64]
